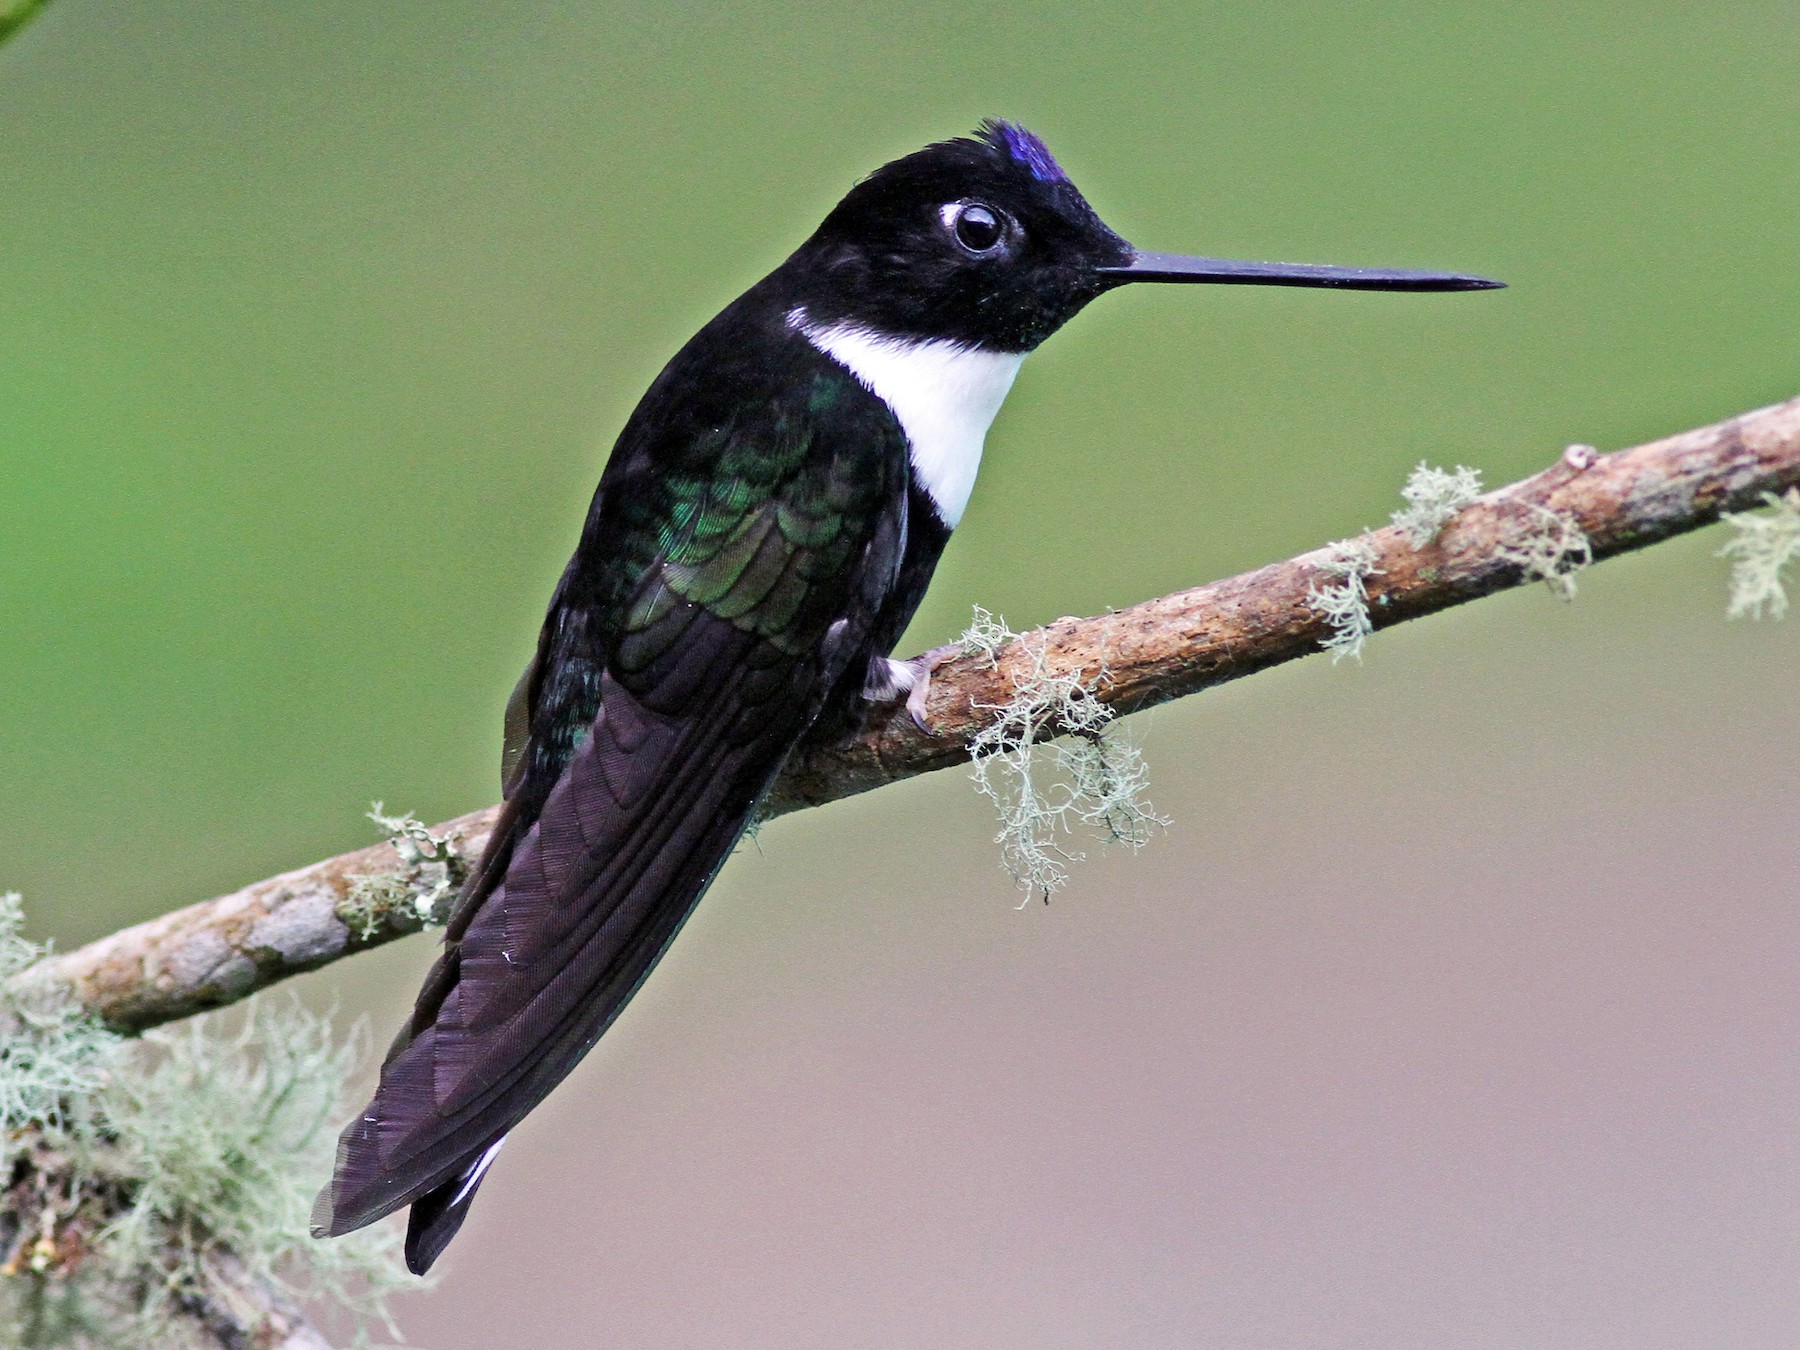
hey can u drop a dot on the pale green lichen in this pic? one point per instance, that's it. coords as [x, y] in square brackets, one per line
[1432, 497]
[985, 636]
[53, 1058]
[130, 1165]
[1764, 544]
[1093, 778]
[372, 902]
[226, 1138]
[432, 871]
[1553, 550]
[1344, 602]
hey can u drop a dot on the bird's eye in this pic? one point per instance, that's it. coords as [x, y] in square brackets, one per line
[978, 228]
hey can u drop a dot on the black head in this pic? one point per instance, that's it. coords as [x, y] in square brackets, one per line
[983, 240]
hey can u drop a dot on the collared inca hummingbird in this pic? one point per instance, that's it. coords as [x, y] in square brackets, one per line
[767, 524]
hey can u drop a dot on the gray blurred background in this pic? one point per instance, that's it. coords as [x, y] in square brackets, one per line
[1457, 1006]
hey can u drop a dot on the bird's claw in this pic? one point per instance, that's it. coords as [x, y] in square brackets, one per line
[912, 678]
[915, 702]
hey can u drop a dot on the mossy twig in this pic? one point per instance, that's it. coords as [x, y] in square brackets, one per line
[156, 1192]
[1161, 649]
[417, 892]
[1433, 497]
[1344, 601]
[1552, 549]
[1093, 777]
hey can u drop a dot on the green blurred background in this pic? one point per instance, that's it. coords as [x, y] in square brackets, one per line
[1457, 1005]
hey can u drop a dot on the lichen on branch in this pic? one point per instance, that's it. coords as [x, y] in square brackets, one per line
[415, 894]
[156, 1191]
[1552, 549]
[1343, 602]
[1762, 545]
[1433, 497]
[1091, 777]
[1160, 649]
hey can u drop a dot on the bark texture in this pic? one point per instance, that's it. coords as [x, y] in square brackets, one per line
[221, 950]
[53, 1209]
[245, 1312]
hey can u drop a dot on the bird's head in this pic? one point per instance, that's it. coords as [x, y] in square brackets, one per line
[984, 241]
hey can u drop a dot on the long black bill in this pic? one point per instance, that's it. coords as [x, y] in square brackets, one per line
[1225, 272]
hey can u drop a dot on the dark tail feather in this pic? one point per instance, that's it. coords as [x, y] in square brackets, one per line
[579, 910]
[437, 1214]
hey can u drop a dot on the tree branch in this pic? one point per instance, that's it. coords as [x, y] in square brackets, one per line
[245, 1312]
[225, 949]
[56, 1206]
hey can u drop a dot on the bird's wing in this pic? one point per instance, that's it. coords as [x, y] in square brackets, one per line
[727, 644]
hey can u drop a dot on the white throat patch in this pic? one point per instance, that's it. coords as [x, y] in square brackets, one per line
[945, 395]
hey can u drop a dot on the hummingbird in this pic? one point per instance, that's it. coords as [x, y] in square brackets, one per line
[761, 535]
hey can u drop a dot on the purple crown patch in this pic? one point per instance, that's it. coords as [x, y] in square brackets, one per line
[1027, 150]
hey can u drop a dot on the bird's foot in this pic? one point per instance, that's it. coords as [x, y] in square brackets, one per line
[888, 679]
